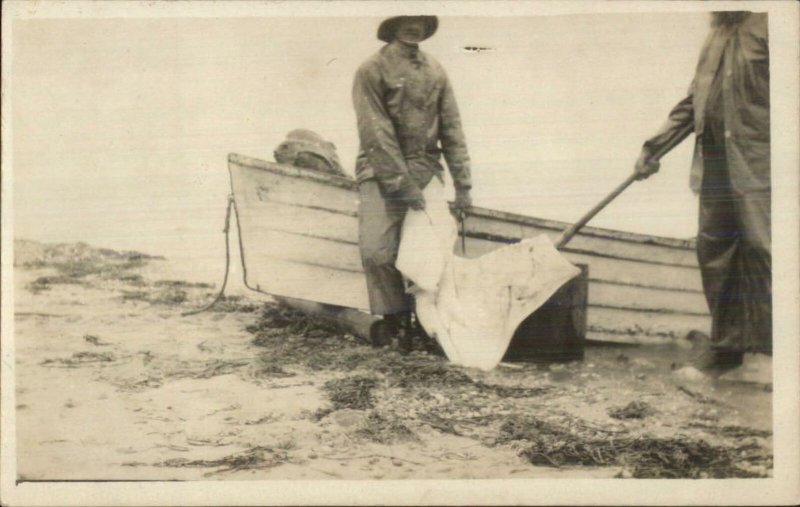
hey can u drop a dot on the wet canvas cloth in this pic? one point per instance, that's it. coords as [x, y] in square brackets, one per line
[473, 306]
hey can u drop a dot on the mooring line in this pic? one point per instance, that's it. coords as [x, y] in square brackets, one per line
[226, 230]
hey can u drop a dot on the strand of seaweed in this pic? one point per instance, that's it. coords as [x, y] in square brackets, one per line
[291, 336]
[648, 456]
[255, 458]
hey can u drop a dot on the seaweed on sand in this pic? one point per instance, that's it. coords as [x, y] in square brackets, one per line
[290, 348]
[379, 429]
[550, 444]
[429, 372]
[293, 337]
[321, 413]
[132, 279]
[526, 428]
[445, 425]
[44, 283]
[163, 296]
[291, 321]
[34, 254]
[289, 333]
[168, 296]
[696, 395]
[232, 304]
[416, 372]
[633, 410]
[135, 295]
[94, 340]
[252, 459]
[209, 369]
[514, 391]
[731, 431]
[183, 284]
[351, 392]
[267, 367]
[159, 369]
[176, 292]
[81, 358]
[75, 262]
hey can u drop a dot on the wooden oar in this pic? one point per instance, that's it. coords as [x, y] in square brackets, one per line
[572, 230]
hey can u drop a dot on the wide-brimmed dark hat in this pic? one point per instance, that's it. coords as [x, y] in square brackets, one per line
[389, 27]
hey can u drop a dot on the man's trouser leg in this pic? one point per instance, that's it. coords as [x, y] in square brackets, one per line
[756, 271]
[733, 249]
[379, 223]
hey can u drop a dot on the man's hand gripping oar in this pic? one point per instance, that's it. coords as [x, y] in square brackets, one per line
[647, 165]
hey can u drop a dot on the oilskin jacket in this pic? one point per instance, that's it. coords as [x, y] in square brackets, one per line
[741, 55]
[407, 118]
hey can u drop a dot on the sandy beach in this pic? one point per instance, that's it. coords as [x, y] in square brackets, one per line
[112, 382]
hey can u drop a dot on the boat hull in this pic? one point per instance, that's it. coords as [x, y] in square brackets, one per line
[298, 232]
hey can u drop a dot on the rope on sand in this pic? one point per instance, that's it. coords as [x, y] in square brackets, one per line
[226, 230]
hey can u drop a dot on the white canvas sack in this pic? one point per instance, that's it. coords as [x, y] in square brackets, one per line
[473, 306]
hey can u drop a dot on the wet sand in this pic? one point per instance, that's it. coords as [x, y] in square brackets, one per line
[113, 382]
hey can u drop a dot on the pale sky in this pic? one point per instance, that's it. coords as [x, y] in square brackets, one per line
[121, 127]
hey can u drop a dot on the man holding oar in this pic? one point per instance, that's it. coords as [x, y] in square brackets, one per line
[407, 118]
[728, 109]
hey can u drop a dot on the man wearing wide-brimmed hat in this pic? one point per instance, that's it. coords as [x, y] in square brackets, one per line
[407, 118]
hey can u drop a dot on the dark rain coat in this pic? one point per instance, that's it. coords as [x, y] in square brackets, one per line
[741, 54]
[407, 118]
[728, 107]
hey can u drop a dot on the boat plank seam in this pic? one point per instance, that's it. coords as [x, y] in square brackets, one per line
[352, 214]
[652, 331]
[497, 238]
[643, 286]
[314, 264]
[350, 184]
[310, 235]
[601, 281]
[557, 226]
[659, 311]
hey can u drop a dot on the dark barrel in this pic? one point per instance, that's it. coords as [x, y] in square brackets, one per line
[556, 332]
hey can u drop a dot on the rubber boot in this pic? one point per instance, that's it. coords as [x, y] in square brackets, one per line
[391, 326]
[381, 333]
[405, 333]
[718, 360]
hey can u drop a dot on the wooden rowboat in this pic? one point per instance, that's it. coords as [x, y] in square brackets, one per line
[298, 235]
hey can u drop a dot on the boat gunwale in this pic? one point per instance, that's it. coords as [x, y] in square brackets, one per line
[348, 183]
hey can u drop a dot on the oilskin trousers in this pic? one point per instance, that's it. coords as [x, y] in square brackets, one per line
[380, 221]
[734, 253]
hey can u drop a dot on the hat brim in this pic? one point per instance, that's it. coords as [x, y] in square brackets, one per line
[389, 26]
